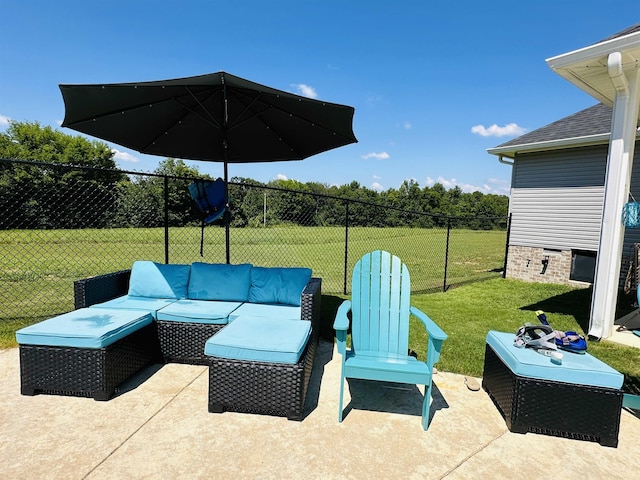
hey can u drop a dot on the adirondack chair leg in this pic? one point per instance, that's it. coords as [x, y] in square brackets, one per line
[341, 398]
[426, 405]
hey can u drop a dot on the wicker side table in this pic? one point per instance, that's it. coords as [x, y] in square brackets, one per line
[547, 405]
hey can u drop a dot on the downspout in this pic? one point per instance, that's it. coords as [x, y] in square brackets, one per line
[506, 162]
[618, 177]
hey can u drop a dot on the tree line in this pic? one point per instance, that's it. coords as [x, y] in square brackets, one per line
[55, 194]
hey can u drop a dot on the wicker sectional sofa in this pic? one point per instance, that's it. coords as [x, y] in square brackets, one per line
[181, 308]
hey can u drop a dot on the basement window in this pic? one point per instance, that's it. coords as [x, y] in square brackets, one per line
[583, 265]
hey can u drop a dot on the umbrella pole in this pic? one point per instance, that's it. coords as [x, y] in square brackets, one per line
[228, 213]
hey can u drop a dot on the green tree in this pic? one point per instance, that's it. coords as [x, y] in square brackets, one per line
[51, 195]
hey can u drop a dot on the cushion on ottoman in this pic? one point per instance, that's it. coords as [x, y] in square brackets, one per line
[261, 340]
[580, 369]
[198, 311]
[84, 328]
[128, 302]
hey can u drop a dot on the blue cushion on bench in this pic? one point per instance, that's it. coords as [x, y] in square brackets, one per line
[198, 311]
[578, 369]
[145, 304]
[278, 285]
[218, 281]
[84, 328]
[260, 340]
[157, 280]
[285, 312]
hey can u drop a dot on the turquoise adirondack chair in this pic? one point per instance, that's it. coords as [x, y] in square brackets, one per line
[380, 309]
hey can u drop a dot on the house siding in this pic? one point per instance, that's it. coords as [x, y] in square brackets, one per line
[556, 207]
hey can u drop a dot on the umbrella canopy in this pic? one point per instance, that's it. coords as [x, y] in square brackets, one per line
[215, 117]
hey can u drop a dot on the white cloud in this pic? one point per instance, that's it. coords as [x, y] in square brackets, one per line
[377, 186]
[305, 90]
[281, 176]
[510, 129]
[4, 121]
[377, 156]
[406, 125]
[124, 156]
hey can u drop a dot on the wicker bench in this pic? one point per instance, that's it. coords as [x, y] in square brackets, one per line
[579, 398]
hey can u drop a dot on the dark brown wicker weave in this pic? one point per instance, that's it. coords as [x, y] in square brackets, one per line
[86, 372]
[276, 389]
[101, 288]
[567, 410]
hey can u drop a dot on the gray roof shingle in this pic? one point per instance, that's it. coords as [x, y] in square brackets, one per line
[590, 121]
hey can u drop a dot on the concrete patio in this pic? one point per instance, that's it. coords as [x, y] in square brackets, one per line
[158, 427]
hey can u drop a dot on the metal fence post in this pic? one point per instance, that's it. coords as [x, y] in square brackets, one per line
[166, 219]
[506, 247]
[446, 255]
[346, 244]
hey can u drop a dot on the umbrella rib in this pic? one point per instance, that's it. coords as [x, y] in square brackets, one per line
[271, 105]
[211, 120]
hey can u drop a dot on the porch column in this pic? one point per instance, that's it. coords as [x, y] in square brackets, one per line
[618, 177]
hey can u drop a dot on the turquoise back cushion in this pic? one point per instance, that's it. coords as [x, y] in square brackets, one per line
[218, 281]
[283, 286]
[156, 280]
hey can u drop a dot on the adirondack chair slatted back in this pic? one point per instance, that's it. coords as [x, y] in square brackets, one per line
[380, 304]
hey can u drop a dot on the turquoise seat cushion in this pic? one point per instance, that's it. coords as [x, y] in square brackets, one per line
[156, 280]
[278, 285]
[198, 311]
[216, 281]
[260, 340]
[84, 328]
[285, 312]
[579, 369]
[145, 304]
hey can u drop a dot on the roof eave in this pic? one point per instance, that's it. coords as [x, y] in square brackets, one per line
[587, 67]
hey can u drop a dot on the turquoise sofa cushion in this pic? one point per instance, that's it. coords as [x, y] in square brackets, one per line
[84, 328]
[579, 369]
[217, 281]
[145, 304]
[156, 280]
[198, 311]
[285, 312]
[260, 340]
[278, 285]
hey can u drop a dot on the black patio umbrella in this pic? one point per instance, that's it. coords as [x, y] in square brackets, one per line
[216, 117]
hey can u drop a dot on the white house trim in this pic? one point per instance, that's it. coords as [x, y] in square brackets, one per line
[609, 71]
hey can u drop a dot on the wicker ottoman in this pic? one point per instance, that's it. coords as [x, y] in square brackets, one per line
[581, 398]
[250, 382]
[86, 352]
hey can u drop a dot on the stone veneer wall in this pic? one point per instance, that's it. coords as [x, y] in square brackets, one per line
[525, 263]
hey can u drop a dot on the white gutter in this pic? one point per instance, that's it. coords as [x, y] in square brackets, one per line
[510, 150]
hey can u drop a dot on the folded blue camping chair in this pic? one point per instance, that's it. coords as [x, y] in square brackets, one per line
[210, 196]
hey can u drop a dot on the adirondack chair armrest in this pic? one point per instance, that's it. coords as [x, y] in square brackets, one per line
[436, 336]
[341, 325]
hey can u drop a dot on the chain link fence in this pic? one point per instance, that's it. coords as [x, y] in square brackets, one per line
[62, 223]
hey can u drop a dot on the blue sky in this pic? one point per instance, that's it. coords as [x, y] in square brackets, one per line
[433, 84]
